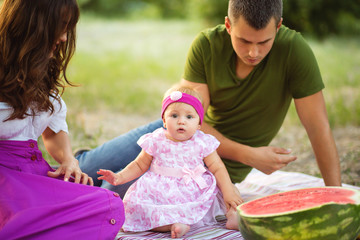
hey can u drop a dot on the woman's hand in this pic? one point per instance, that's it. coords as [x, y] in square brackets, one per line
[109, 176]
[69, 169]
[58, 146]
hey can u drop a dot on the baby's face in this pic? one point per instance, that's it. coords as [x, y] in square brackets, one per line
[181, 121]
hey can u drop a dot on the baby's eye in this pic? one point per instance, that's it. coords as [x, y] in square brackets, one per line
[174, 115]
[189, 117]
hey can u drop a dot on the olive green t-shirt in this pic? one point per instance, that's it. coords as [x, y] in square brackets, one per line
[251, 110]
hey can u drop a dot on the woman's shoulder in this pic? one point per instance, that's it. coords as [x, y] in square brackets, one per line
[58, 103]
[4, 105]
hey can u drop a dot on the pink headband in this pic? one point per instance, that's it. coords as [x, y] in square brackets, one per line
[178, 96]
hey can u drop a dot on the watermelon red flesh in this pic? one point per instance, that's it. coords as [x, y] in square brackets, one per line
[333, 213]
[297, 200]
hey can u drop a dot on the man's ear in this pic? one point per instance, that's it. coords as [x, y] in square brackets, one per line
[228, 24]
[279, 25]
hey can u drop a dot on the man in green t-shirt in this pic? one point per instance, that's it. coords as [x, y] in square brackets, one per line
[247, 72]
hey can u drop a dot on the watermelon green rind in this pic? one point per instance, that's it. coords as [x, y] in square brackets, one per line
[299, 225]
[330, 221]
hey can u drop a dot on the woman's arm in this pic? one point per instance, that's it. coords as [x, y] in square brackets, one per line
[132, 171]
[58, 146]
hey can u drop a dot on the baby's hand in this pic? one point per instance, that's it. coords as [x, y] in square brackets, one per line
[232, 200]
[109, 176]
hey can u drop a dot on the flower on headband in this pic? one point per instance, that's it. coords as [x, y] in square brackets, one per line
[176, 95]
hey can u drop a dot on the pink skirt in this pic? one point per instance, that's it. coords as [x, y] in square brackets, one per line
[35, 206]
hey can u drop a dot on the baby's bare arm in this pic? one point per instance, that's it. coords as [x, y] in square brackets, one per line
[231, 195]
[132, 171]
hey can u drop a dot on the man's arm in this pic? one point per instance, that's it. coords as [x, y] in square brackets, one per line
[313, 116]
[265, 159]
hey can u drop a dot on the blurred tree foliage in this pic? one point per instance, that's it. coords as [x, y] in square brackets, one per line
[136, 8]
[316, 17]
[323, 17]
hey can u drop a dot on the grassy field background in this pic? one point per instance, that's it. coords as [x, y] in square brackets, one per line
[124, 67]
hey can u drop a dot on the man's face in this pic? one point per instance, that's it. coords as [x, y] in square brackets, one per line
[251, 45]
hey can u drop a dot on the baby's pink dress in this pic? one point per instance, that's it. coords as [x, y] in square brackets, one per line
[159, 199]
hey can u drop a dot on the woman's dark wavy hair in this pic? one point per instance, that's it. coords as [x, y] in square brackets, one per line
[31, 71]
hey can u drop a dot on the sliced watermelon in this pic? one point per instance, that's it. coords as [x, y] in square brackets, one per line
[313, 213]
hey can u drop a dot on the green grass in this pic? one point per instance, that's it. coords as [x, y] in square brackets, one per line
[126, 66]
[339, 62]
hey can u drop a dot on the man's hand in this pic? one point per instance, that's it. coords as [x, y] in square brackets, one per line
[270, 159]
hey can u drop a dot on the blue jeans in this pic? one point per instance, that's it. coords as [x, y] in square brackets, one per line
[115, 155]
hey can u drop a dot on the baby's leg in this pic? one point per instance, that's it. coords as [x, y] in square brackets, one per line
[232, 219]
[177, 229]
[166, 228]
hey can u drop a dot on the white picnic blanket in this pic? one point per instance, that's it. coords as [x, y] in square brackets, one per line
[255, 185]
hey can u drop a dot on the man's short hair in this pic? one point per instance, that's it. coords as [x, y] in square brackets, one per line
[257, 13]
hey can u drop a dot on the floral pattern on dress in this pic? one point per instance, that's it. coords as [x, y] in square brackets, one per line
[156, 200]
